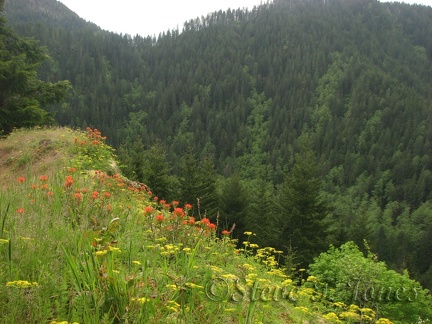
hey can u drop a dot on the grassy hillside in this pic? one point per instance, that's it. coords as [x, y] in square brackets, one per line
[80, 243]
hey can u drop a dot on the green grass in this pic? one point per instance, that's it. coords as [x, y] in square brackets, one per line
[82, 244]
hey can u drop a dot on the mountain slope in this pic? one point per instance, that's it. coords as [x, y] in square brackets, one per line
[51, 13]
[348, 80]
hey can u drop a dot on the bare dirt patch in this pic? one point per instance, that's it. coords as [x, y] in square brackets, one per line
[31, 153]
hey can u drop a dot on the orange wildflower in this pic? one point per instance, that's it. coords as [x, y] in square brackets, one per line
[205, 221]
[20, 210]
[179, 212]
[225, 232]
[94, 195]
[50, 193]
[69, 181]
[188, 206]
[148, 210]
[43, 178]
[78, 196]
[160, 218]
[21, 179]
[212, 226]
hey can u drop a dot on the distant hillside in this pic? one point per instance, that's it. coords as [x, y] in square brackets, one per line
[48, 12]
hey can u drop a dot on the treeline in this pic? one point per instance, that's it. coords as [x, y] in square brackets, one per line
[306, 122]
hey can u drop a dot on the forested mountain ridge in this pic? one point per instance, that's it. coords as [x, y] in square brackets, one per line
[255, 90]
[47, 12]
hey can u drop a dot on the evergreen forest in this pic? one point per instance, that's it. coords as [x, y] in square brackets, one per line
[306, 122]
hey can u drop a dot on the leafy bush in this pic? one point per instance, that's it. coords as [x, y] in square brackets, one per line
[345, 275]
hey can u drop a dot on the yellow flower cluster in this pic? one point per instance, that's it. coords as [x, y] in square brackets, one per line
[303, 309]
[141, 300]
[169, 249]
[193, 286]
[332, 317]
[277, 273]
[287, 282]
[349, 316]
[248, 267]
[383, 321]
[22, 284]
[101, 253]
[173, 306]
[113, 249]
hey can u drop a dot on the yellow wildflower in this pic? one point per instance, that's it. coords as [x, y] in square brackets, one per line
[141, 300]
[113, 249]
[383, 321]
[192, 285]
[101, 253]
[21, 284]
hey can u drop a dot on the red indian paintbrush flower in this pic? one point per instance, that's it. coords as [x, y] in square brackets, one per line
[160, 218]
[179, 212]
[69, 181]
[148, 210]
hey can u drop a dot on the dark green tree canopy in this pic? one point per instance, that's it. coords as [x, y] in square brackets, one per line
[23, 96]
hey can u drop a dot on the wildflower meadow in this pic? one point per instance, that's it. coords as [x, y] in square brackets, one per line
[79, 243]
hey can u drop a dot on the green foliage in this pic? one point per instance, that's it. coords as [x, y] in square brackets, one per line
[345, 275]
[156, 172]
[24, 98]
[302, 209]
[93, 153]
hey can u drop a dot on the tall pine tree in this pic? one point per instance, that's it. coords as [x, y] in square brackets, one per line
[302, 209]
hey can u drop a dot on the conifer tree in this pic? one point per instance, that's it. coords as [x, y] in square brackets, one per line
[302, 209]
[23, 97]
[157, 172]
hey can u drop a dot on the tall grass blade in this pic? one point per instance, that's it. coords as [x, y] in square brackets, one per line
[4, 220]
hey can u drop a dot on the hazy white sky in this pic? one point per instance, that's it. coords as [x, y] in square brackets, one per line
[146, 17]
